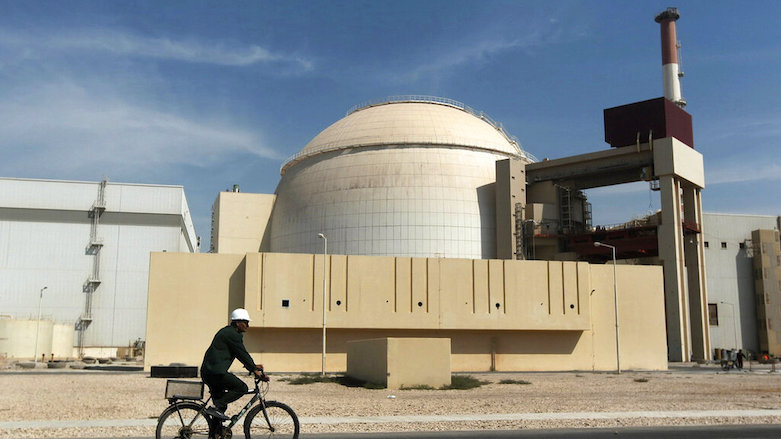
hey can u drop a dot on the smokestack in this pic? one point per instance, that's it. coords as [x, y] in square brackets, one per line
[670, 71]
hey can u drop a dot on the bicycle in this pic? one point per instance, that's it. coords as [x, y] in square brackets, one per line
[185, 417]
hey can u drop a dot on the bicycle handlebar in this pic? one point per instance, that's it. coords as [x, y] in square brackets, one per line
[262, 377]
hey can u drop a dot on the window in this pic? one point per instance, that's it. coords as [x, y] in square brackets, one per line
[713, 314]
[707, 244]
[742, 245]
[723, 244]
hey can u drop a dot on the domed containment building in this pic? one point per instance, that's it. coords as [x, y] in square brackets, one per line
[429, 210]
[404, 177]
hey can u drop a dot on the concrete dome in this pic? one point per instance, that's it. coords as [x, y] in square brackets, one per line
[401, 177]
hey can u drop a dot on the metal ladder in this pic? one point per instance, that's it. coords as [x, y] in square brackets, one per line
[93, 248]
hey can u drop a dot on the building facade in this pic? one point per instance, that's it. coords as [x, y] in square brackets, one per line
[740, 275]
[407, 176]
[78, 254]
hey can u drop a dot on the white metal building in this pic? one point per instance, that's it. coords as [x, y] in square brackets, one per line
[730, 277]
[405, 176]
[88, 243]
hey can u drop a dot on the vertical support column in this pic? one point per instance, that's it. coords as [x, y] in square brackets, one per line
[695, 261]
[672, 255]
[510, 191]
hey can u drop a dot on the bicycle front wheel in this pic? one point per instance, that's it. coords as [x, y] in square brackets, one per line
[182, 421]
[282, 422]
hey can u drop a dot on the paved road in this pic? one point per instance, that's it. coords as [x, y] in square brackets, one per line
[687, 432]
[749, 431]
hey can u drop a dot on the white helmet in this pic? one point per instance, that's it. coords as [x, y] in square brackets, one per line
[240, 314]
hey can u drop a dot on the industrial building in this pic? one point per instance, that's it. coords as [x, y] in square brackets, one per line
[744, 292]
[406, 195]
[75, 255]
[421, 217]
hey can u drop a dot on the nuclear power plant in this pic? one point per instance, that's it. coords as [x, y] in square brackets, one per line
[419, 217]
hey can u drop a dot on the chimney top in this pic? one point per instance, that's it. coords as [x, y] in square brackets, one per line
[669, 14]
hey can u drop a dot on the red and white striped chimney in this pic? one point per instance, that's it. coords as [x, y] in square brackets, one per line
[670, 71]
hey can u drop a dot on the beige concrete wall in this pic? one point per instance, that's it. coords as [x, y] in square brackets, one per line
[767, 285]
[190, 299]
[367, 360]
[400, 362]
[642, 336]
[548, 318]
[418, 361]
[417, 293]
[673, 157]
[510, 191]
[240, 221]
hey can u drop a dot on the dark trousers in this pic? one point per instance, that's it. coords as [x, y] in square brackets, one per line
[225, 388]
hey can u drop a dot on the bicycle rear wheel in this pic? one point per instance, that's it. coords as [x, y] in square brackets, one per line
[182, 421]
[282, 422]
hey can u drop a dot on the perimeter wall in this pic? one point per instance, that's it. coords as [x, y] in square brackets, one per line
[503, 315]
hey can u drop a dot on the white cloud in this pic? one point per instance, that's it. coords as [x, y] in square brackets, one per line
[475, 47]
[743, 172]
[67, 128]
[756, 126]
[473, 52]
[127, 44]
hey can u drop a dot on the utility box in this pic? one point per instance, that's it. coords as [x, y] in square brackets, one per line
[400, 362]
[658, 117]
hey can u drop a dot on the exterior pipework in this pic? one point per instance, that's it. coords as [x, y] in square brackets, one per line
[670, 69]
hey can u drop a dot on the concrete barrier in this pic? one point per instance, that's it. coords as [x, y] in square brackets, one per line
[400, 362]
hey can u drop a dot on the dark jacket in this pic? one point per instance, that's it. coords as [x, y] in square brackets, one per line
[228, 345]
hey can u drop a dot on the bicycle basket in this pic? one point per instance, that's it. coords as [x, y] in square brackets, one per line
[178, 389]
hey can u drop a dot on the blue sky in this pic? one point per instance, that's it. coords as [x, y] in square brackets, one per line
[215, 93]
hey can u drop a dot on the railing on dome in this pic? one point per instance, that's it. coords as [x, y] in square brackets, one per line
[427, 99]
[453, 103]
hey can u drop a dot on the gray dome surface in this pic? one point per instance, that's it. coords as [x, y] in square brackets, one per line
[396, 179]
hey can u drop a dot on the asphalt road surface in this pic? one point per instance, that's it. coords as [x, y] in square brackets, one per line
[748, 431]
[682, 432]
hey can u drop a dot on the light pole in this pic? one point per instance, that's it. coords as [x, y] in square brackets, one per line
[38, 325]
[615, 302]
[734, 322]
[325, 256]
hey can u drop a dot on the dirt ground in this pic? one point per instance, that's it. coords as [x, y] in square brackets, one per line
[79, 395]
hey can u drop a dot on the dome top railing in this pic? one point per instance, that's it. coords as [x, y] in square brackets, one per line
[431, 100]
[450, 102]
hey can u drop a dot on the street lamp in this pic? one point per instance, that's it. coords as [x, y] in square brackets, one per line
[615, 302]
[734, 322]
[325, 255]
[38, 325]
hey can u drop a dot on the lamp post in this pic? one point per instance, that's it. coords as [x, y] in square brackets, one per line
[615, 302]
[734, 323]
[325, 255]
[38, 325]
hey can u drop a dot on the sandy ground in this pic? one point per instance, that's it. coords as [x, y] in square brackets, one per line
[73, 395]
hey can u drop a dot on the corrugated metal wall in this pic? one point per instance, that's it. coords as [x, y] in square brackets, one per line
[44, 237]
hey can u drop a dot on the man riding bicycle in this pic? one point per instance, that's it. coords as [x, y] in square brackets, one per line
[228, 345]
